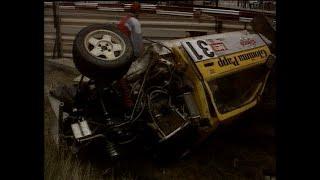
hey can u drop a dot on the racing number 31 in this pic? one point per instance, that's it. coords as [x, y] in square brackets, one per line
[203, 46]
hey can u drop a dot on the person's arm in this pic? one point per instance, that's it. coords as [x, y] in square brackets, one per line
[136, 35]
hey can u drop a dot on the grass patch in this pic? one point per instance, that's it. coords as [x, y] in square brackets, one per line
[63, 166]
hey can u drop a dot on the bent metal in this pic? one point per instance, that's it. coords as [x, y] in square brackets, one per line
[224, 61]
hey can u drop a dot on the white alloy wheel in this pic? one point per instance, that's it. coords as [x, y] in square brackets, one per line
[105, 45]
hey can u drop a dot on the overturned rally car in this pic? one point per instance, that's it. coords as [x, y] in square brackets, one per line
[166, 101]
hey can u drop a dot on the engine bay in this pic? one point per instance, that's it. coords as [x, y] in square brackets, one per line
[150, 104]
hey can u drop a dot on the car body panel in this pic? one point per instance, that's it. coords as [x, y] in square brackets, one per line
[240, 51]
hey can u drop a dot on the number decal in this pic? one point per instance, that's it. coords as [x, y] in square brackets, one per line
[198, 50]
[205, 50]
[199, 57]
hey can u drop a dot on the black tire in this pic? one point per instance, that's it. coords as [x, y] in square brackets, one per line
[95, 67]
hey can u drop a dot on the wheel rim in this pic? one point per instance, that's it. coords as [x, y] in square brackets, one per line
[105, 45]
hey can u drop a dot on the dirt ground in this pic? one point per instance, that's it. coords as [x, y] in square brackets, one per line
[244, 149]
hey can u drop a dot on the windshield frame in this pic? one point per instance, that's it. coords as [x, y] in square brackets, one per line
[251, 102]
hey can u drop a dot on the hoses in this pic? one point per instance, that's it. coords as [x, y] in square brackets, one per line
[141, 88]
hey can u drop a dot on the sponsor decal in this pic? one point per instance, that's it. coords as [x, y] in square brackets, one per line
[203, 49]
[225, 61]
[247, 42]
[217, 45]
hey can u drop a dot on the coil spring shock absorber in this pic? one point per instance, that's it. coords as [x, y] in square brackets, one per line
[112, 150]
[125, 91]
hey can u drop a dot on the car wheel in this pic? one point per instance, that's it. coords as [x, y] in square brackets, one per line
[102, 52]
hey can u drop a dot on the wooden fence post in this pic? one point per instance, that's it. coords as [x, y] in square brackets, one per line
[57, 22]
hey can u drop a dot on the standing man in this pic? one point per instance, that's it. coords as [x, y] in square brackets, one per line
[131, 27]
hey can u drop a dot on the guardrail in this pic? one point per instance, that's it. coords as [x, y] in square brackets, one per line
[158, 22]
